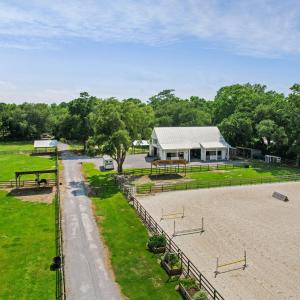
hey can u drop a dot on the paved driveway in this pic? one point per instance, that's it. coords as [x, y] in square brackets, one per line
[86, 273]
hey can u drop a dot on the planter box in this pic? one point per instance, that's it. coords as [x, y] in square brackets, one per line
[157, 250]
[170, 272]
[184, 293]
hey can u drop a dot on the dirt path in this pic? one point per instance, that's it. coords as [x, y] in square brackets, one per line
[86, 273]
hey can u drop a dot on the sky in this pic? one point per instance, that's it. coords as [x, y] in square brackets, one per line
[52, 50]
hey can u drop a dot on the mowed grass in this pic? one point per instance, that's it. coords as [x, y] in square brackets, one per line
[27, 246]
[137, 271]
[241, 172]
[16, 146]
[10, 163]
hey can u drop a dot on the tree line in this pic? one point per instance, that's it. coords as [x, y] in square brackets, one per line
[248, 115]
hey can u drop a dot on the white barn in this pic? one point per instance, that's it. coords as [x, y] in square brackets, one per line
[189, 143]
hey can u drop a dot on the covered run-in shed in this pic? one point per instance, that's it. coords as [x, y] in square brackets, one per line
[45, 146]
[189, 143]
[37, 173]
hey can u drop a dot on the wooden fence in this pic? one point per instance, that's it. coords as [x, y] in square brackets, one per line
[60, 272]
[24, 183]
[197, 184]
[179, 169]
[189, 269]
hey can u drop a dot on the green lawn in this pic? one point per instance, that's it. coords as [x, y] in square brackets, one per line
[217, 177]
[10, 163]
[243, 173]
[16, 146]
[27, 246]
[137, 271]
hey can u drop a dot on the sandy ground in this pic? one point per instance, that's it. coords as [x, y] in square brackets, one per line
[41, 195]
[238, 218]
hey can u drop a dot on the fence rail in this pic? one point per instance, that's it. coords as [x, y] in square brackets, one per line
[179, 169]
[60, 274]
[189, 269]
[197, 184]
[24, 183]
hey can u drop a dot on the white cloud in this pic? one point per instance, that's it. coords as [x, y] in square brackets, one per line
[261, 27]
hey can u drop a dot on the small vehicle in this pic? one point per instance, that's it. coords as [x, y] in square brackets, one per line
[108, 164]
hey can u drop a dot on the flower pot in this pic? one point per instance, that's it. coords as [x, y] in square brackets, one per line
[169, 270]
[187, 294]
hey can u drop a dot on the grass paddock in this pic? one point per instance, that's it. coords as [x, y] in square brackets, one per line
[27, 246]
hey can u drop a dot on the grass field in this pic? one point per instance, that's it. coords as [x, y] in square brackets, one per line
[137, 270]
[27, 245]
[217, 176]
[16, 146]
[10, 163]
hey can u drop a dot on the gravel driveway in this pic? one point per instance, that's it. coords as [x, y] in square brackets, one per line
[86, 272]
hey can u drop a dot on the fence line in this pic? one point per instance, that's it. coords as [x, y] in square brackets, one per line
[158, 188]
[189, 269]
[24, 183]
[60, 274]
[179, 169]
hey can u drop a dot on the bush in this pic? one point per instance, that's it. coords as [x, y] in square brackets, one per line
[189, 283]
[172, 260]
[200, 295]
[157, 241]
[246, 166]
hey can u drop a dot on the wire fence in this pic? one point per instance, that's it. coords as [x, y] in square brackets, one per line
[189, 269]
[197, 184]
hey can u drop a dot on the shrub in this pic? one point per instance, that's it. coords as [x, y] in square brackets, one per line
[189, 283]
[200, 295]
[172, 260]
[157, 241]
[246, 166]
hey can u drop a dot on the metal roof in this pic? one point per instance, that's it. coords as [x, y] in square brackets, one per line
[45, 144]
[190, 137]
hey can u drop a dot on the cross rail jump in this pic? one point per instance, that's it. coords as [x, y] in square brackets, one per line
[243, 260]
[188, 231]
[172, 215]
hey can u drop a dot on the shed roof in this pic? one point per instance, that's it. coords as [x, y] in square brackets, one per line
[45, 144]
[190, 137]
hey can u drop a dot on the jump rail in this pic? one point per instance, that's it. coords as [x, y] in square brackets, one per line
[172, 215]
[189, 269]
[188, 231]
[243, 260]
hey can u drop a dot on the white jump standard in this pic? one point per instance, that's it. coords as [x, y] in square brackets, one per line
[172, 215]
[239, 261]
[188, 231]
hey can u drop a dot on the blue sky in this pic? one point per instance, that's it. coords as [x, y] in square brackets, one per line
[52, 50]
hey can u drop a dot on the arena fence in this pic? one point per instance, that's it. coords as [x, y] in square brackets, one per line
[197, 184]
[189, 269]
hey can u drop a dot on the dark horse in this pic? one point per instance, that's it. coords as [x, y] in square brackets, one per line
[39, 181]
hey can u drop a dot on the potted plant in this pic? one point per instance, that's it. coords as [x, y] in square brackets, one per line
[171, 263]
[190, 290]
[157, 243]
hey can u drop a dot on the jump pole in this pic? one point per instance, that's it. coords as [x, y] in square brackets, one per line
[188, 231]
[231, 263]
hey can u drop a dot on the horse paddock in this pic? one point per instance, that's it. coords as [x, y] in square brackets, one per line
[238, 219]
